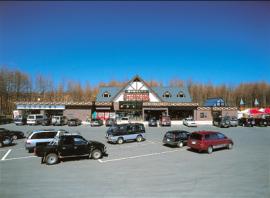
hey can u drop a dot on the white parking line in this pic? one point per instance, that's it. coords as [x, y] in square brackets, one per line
[16, 158]
[3, 150]
[138, 156]
[136, 145]
[4, 157]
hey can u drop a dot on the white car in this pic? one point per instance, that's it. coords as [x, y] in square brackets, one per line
[189, 122]
[123, 120]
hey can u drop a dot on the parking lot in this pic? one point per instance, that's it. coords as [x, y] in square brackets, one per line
[146, 169]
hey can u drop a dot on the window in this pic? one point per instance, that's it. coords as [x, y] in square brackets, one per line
[220, 136]
[203, 115]
[106, 94]
[180, 95]
[167, 95]
[79, 141]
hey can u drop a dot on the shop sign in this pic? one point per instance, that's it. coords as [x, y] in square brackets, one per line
[45, 107]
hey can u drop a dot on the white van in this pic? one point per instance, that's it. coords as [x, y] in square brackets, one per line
[34, 119]
[123, 120]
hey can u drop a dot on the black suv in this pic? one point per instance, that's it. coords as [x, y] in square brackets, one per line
[176, 138]
[222, 122]
[69, 146]
[152, 122]
[74, 122]
[262, 122]
[246, 122]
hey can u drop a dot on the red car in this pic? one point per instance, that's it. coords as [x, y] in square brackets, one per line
[208, 141]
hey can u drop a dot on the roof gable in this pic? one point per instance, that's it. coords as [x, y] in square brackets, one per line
[112, 91]
[177, 94]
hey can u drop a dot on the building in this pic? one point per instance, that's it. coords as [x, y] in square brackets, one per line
[140, 101]
[137, 100]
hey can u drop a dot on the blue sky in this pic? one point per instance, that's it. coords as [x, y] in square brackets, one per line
[218, 42]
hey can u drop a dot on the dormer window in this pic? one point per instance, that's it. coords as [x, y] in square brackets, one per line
[167, 95]
[106, 94]
[180, 95]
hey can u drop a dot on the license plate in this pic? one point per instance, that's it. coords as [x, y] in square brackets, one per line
[193, 142]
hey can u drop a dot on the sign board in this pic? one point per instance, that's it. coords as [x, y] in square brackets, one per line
[45, 107]
[136, 97]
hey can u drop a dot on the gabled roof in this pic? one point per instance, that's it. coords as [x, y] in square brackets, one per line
[113, 91]
[174, 91]
[213, 102]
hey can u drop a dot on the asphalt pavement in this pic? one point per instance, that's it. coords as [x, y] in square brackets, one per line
[145, 169]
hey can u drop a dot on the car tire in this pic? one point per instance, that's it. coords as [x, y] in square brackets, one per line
[230, 146]
[52, 159]
[96, 154]
[14, 137]
[7, 141]
[120, 141]
[139, 138]
[209, 149]
[180, 144]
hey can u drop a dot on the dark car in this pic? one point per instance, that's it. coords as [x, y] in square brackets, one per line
[74, 122]
[46, 122]
[14, 134]
[208, 141]
[110, 122]
[222, 122]
[262, 122]
[152, 122]
[176, 138]
[5, 139]
[20, 120]
[66, 146]
[246, 122]
[96, 122]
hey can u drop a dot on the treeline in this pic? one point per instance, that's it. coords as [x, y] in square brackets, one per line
[19, 86]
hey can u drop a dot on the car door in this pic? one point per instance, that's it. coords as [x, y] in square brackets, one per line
[67, 146]
[80, 146]
[222, 140]
[131, 132]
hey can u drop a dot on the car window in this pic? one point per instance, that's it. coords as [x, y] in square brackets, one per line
[169, 135]
[220, 136]
[213, 136]
[67, 140]
[196, 136]
[79, 141]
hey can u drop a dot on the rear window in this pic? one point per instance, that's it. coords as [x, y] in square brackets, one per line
[195, 136]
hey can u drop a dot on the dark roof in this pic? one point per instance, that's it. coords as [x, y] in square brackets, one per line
[174, 91]
[214, 102]
[113, 91]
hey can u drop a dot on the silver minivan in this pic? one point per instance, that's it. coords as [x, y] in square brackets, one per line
[41, 136]
[34, 119]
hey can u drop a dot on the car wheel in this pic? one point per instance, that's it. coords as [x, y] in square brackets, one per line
[96, 154]
[14, 137]
[210, 149]
[180, 144]
[230, 146]
[139, 138]
[51, 159]
[120, 141]
[7, 140]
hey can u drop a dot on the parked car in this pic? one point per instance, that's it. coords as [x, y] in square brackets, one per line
[176, 138]
[262, 122]
[126, 132]
[246, 122]
[59, 120]
[35, 119]
[74, 122]
[222, 122]
[233, 121]
[208, 141]
[41, 136]
[165, 121]
[14, 134]
[190, 122]
[20, 120]
[96, 122]
[69, 145]
[110, 122]
[5, 139]
[152, 122]
[123, 120]
[46, 122]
